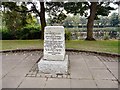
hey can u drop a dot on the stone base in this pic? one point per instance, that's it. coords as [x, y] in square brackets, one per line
[53, 67]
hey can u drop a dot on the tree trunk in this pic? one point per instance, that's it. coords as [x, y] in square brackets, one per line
[42, 19]
[90, 23]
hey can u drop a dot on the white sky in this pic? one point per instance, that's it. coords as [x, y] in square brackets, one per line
[114, 11]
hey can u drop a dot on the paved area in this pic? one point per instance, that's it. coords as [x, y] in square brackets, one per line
[86, 71]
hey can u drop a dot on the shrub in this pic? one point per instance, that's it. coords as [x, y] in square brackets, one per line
[67, 35]
[106, 37]
[29, 32]
[6, 34]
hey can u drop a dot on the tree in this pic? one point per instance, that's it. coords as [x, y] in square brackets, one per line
[90, 24]
[39, 12]
[55, 12]
[42, 18]
[76, 20]
[13, 20]
[114, 19]
[96, 8]
[104, 21]
[71, 21]
[31, 20]
[83, 21]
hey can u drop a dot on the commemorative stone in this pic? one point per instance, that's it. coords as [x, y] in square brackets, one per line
[54, 43]
[54, 59]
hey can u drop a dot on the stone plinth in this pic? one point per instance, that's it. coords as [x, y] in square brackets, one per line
[54, 67]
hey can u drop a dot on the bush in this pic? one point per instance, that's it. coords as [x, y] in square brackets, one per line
[6, 34]
[117, 29]
[67, 35]
[27, 32]
[106, 37]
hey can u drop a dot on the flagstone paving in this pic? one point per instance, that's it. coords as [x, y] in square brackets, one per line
[85, 71]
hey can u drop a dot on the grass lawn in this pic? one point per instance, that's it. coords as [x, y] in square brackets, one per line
[100, 45]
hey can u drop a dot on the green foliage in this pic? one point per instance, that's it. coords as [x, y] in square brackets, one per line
[10, 5]
[114, 20]
[20, 24]
[15, 16]
[13, 6]
[27, 32]
[74, 7]
[106, 37]
[117, 29]
[103, 8]
[67, 35]
[55, 12]
[30, 19]
[6, 34]
[12, 20]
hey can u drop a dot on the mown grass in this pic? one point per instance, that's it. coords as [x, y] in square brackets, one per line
[100, 45]
[21, 44]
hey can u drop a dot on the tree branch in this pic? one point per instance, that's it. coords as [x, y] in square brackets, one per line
[87, 4]
[101, 3]
[23, 10]
[35, 9]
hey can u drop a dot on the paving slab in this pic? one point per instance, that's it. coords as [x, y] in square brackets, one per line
[0, 84]
[78, 68]
[106, 84]
[19, 71]
[23, 67]
[102, 75]
[12, 57]
[11, 82]
[0, 66]
[115, 73]
[57, 83]
[76, 83]
[81, 74]
[93, 62]
[86, 71]
[30, 82]
[111, 65]
[10, 62]
[77, 61]
[116, 83]
[29, 61]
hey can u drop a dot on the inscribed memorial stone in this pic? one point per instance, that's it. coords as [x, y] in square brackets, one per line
[54, 43]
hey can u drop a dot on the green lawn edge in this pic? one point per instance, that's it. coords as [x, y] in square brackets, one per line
[110, 46]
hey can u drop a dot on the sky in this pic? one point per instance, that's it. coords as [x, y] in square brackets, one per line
[114, 11]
